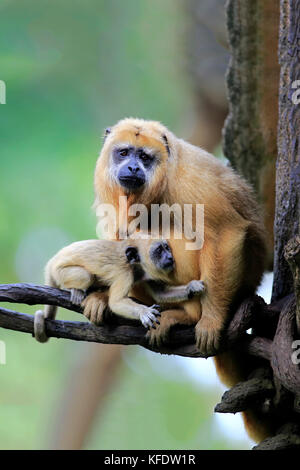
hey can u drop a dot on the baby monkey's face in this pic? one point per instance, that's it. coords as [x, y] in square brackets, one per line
[152, 260]
[161, 256]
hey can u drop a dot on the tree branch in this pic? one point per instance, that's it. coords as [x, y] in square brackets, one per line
[245, 394]
[129, 334]
[118, 330]
[276, 320]
[287, 438]
[281, 361]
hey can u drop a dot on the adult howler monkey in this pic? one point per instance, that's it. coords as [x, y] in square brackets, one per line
[146, 162]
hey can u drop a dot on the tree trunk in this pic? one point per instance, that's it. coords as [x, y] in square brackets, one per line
[288, 163]
[259, 84]
[250, 132]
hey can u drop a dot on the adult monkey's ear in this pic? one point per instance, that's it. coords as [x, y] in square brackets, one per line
[166, 144]
[107, 131]
[132, 255]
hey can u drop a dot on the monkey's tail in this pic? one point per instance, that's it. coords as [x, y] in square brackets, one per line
[40, 316]
[50, 310]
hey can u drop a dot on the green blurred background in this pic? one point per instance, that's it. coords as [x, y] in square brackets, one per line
[71, 69]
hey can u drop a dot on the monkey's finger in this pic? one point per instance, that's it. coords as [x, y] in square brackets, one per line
[156, 322]
[157, 315]
[154, 311]
[148, 319]
[101, 308]
[151, 324]
[156, 307]
[87, 311]
[145, 321]
[94, 311]
[148, 325]
[153, 316]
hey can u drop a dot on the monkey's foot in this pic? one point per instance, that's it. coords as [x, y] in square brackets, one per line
[195, 288]
[94, 305]
[207, 336]
[168, 319]
[149, 316]
[157, 337]
[77, 296]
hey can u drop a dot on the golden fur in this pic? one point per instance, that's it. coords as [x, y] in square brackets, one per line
[103, 264]
[189, 175]
[100, 263]
[231, 262]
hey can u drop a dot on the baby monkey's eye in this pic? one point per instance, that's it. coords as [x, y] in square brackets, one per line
[123, 152]
[159, 250]
[166, 246]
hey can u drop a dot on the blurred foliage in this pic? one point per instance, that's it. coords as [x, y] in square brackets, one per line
[71, 69]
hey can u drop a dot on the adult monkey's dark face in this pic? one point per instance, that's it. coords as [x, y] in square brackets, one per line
[134, 161]
[133, 166]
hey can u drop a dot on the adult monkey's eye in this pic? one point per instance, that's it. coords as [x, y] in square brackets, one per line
[123, 152]
[146, 158]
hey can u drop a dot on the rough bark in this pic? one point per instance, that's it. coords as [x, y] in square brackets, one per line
[288, 163]
[119, 330]
[287, 438]
[284, 369]
[292, 256]
[245, 394]
[252, 313]
[250, 143]
[250, 132]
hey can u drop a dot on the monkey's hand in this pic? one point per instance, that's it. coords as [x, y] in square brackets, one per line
[148, 316]
[94, 305]
[208, 332]
[195, 288]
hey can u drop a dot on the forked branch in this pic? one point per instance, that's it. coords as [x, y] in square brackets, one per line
[118, 330]
[274, 346]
